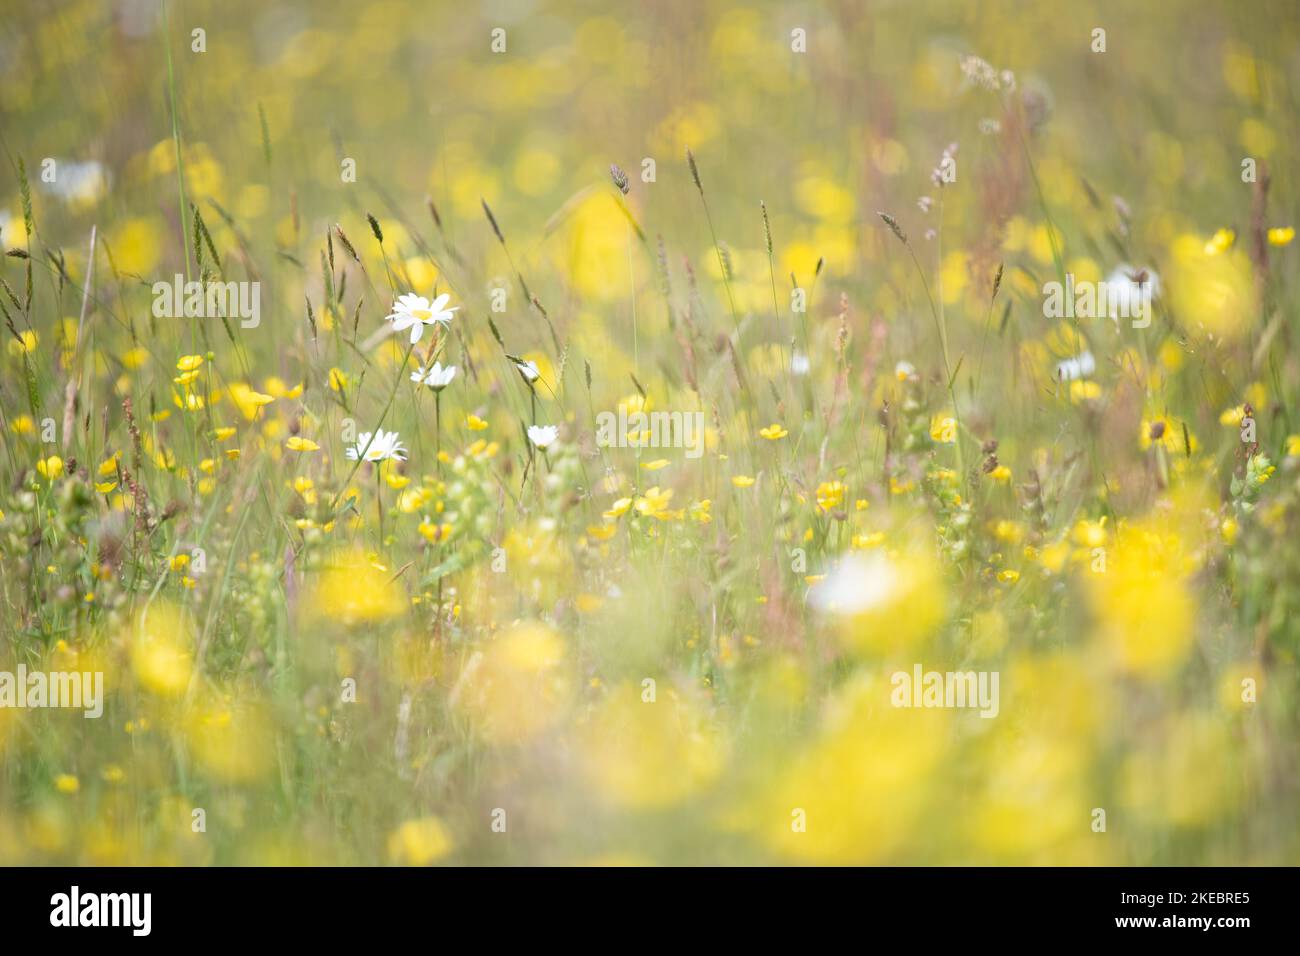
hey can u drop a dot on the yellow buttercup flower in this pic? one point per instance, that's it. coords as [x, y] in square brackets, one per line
[1281, 236]
[830, 495]
[1083, 390]
[231, 738]
[26, 342]
[1144, 606]
[858, 792]
[160, 650]
[618, 508]
[648, 755]
[419, 842]
[654, 503]
[1221, 241]
[943, 429]
[773, 432]
[51, 467]
[517, 686]
[248, 401]
[298, 443]
[1232, 416]
[351, 590]
[1212, 293]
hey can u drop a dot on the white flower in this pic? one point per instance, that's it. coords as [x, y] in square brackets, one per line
[384, 446]
[858, 585]
[1081, 366]
[542, 435]
[1129, 291]
[414, 312]
[528, 370]
[799, 364]
[80, 182]
[437, 378]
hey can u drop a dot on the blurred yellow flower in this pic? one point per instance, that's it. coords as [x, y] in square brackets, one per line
[1144, 608]
[231, 738]
[515, 687]
[884, 603]
[160, 650]
[51, 467]
[618, 508]
[419, 842]
[943, 429]
[1212, 293]
[1221, 241]
[25, 343]
[830, 495]
[654, 503]
[857, 794]
[248, 401]
[351, 589]
[648, 750]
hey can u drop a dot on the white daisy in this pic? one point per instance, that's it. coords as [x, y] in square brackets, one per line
[858, 585]
[1129, 292]
[1081, 366]
[80, 182]
[543, 435]
[414, 312]
[437, 378]
[528, 370]
[385, 445]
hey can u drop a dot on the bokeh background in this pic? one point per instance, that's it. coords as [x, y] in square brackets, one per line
[522, 691]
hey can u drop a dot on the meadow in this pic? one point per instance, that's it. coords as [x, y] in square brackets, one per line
[548, 432]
